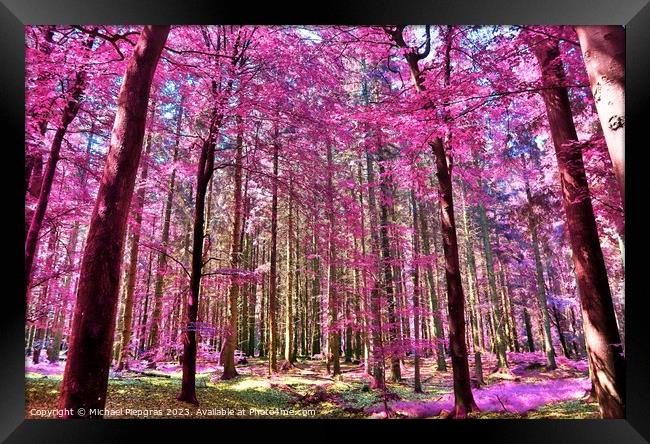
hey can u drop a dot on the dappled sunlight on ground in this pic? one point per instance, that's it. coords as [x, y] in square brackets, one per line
[306, 390]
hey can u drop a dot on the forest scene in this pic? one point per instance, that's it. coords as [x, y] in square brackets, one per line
[324, 222]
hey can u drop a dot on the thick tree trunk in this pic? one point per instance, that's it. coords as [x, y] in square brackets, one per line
[601, 332]
[86, 374]
[603, 50]
[463, 398]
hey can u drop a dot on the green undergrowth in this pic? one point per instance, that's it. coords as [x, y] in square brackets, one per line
[257, 397]
[575, 409]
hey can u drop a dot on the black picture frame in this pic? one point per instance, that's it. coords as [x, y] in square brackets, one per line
[634, 14]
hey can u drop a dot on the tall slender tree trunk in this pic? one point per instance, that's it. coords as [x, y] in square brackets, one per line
[416, 295]
[43, 302]
[60, 319]
[384, 230]
[529, 331]
[263, 307]
[438, 333]
[332, 281]
[162, 255]
[378, 362]
[122, 361]
[498, 318]
[145, 310]
[228, 352]
[472, 286]
[205, 171]
[86, 373]
[288, 320]
[541, 287]
[204, 174]
[273, 272]
[463, 398]
[315, 342]
[508, 308]
[601, 332]
[250, 320]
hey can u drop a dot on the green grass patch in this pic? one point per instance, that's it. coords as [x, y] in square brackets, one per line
[575, 409]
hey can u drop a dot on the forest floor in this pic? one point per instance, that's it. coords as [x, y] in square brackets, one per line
[306, 391]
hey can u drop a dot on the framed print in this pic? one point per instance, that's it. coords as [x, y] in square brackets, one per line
[352, 217]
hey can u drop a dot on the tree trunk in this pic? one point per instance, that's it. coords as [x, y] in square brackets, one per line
[509, 309]
[273, 272]
[529, 331]
[498, 318]
[332, 291]
[69, 113]
[601, 332]
[603, 50]
[145, 308]
[162, 256]
[86, 373]
[263, 310]
[228, 352]
[250, 321]
[433, 294]
[472, 286]
[122, 361]
[417, 387]
[315, 342]
[204, 174]
[541, 287]
[378, 362]
[59, 323]
[384, 228]
[463, 398]
[288, 320]
[42, 303]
